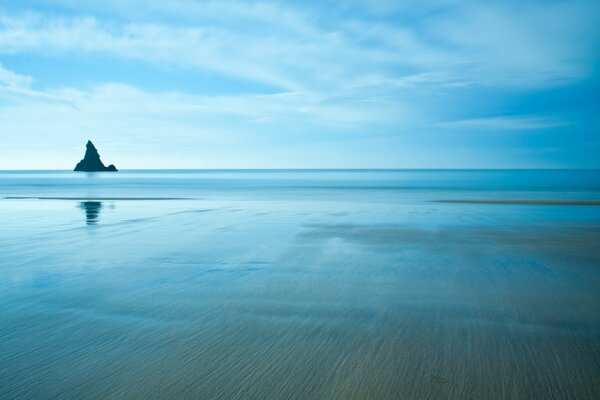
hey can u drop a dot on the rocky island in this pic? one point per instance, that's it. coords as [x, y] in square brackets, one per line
[91, 161]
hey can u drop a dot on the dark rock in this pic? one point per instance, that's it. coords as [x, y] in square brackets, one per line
[91, 161]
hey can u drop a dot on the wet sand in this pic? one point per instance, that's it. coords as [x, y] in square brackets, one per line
[268, 293]
[271, 300]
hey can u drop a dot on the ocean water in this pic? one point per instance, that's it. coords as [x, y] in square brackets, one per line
[299, 284]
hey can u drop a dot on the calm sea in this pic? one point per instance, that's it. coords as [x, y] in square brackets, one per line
[299, 284]
[404, 184]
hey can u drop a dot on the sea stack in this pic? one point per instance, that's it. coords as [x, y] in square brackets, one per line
[91, 161]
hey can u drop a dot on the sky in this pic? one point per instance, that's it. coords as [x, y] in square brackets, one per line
[300, 84]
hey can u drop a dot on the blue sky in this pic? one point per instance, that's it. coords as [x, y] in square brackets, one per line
[289, 84]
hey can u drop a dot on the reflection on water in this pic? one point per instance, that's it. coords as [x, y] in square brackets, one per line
[92, 211]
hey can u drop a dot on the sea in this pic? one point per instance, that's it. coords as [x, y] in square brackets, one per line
[300, 284]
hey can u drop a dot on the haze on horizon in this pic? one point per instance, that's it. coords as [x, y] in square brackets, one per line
[276, 84]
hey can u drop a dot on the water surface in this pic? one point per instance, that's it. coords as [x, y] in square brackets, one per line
[316, 284]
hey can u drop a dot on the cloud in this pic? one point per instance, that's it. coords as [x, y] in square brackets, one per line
[325, 49]
[511, 123]
[12, 80]
[124, 110]
[525, 44]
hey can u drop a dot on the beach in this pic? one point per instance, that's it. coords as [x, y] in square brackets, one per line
[300, 285]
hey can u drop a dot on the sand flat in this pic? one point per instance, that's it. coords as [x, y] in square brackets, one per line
[291, 290]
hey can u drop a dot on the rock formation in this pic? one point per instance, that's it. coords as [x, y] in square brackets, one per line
[91, 161]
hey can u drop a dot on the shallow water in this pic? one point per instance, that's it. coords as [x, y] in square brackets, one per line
[298, 285]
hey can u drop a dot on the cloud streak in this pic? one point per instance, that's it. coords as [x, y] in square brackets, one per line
[12, 80]
[506, 123]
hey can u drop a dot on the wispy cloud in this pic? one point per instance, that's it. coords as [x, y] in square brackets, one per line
[525, 43]
[12, 80]
[510, 123]
[299, 50]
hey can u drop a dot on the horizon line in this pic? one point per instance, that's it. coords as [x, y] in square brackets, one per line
[312, 169]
